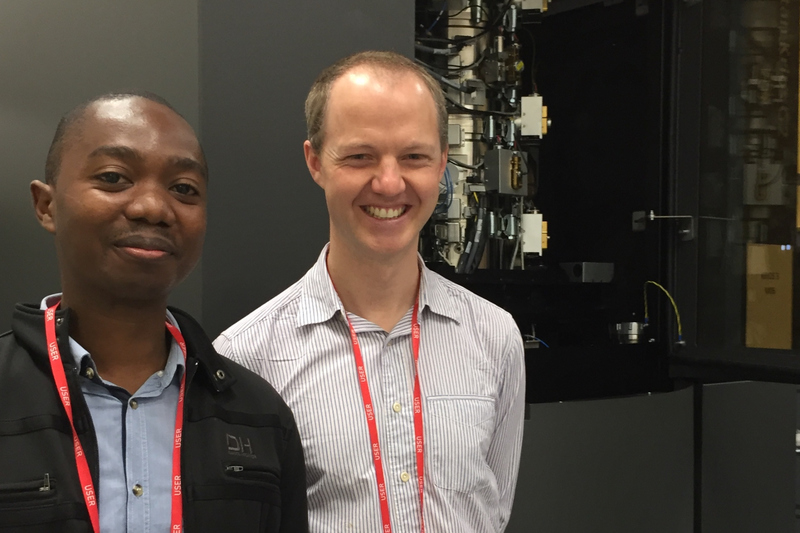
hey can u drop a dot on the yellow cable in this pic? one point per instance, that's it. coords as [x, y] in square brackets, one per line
[671, 299]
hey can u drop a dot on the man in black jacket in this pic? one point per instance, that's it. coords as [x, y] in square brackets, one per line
[116, 413]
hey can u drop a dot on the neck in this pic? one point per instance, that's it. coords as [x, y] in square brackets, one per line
[380, 290]
[127, 340]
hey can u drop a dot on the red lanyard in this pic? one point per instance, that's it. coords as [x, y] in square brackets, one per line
[419, 441]
[84, 475]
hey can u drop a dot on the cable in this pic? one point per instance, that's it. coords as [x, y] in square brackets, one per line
[449, 51]
[674, 306]
[478, 111]
[457, 13]
[541, 342]
[444, 6]
[488, 26]
[444, 80]
[482, 8]
[514, 255]
[458, 163]
[461, 42]
[479, 240]
[449, 192]
[455, 70]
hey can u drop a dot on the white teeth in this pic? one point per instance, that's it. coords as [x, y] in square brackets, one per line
[381, 212]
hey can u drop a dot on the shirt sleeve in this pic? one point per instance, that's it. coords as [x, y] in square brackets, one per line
[223, 346]
[504, 451]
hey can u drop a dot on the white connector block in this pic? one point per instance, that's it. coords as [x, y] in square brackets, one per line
[532, 233]
[536, 5]
[533, 122]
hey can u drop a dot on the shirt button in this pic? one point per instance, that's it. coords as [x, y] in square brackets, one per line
[160, 373]
[89, 373]
[397, 407]
[137, 490]
[404, 477]
[134, 404]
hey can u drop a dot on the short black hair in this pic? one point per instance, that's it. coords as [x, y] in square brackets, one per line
[73, 117]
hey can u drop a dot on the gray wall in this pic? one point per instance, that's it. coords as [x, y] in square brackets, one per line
[53, 56]
[267, 219]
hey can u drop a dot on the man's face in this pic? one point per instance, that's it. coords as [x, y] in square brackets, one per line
[380, 162]
[128, 206]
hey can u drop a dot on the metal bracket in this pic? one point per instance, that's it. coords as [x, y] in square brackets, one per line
[685, 223]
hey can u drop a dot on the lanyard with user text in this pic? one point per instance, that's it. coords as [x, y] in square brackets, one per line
[84, 475]
[373, 427]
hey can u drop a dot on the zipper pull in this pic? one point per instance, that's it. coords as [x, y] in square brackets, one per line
[46, 485]
[234, 468]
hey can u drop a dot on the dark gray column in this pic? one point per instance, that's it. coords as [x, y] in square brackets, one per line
[622, 465]
[53, 56]
[267, 218]
[748, 458]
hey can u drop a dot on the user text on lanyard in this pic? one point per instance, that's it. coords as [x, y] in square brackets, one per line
[419, 441]
[85, 476]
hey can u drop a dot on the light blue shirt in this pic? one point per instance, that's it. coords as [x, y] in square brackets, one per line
[134, 439]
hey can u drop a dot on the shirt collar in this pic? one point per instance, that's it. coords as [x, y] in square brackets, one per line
[82, 357]
[319, 301]
[435, 296]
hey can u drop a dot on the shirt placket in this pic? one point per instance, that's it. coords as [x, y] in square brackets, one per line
[136, 465]
[397, 406]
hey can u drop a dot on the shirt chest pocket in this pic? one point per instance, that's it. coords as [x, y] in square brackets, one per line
[458, 433]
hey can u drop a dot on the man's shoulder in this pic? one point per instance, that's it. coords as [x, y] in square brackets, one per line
[252, 394]
[11, 351]
[466, 303]
[255, 392]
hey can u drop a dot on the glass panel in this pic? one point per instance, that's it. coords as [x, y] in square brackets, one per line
[748, 221]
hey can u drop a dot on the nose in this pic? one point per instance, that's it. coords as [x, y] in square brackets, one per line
[389, 180]
[151, 203]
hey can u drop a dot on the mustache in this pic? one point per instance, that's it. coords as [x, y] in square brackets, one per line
[146, 242]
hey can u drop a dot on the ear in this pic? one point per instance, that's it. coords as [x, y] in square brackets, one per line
[314, 163]
[43, 205]
[443, 162]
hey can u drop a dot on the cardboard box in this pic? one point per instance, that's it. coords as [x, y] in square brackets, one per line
[769, 296]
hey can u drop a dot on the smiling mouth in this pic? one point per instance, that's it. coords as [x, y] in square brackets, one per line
[384, 213]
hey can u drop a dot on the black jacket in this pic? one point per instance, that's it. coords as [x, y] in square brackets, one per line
[241, 460]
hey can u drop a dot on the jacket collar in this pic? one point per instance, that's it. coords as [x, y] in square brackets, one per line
[27, 324]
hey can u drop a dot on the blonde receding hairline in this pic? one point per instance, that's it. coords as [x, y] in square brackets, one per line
[378, 62]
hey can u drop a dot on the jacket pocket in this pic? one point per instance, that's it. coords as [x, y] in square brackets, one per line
[27, 493]
[34, 507]
[247, 500]
[459, 431]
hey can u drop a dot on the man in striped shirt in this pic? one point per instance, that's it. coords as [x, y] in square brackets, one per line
[408, 390]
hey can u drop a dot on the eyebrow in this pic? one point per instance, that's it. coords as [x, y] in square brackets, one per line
[187, 163]
[127, 153]
[120, 152]
[356, 147]
[419, 146]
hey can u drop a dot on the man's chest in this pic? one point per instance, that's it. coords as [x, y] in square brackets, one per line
[322, 387]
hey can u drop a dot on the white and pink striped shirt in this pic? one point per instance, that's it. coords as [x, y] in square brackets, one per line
[472, 380]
